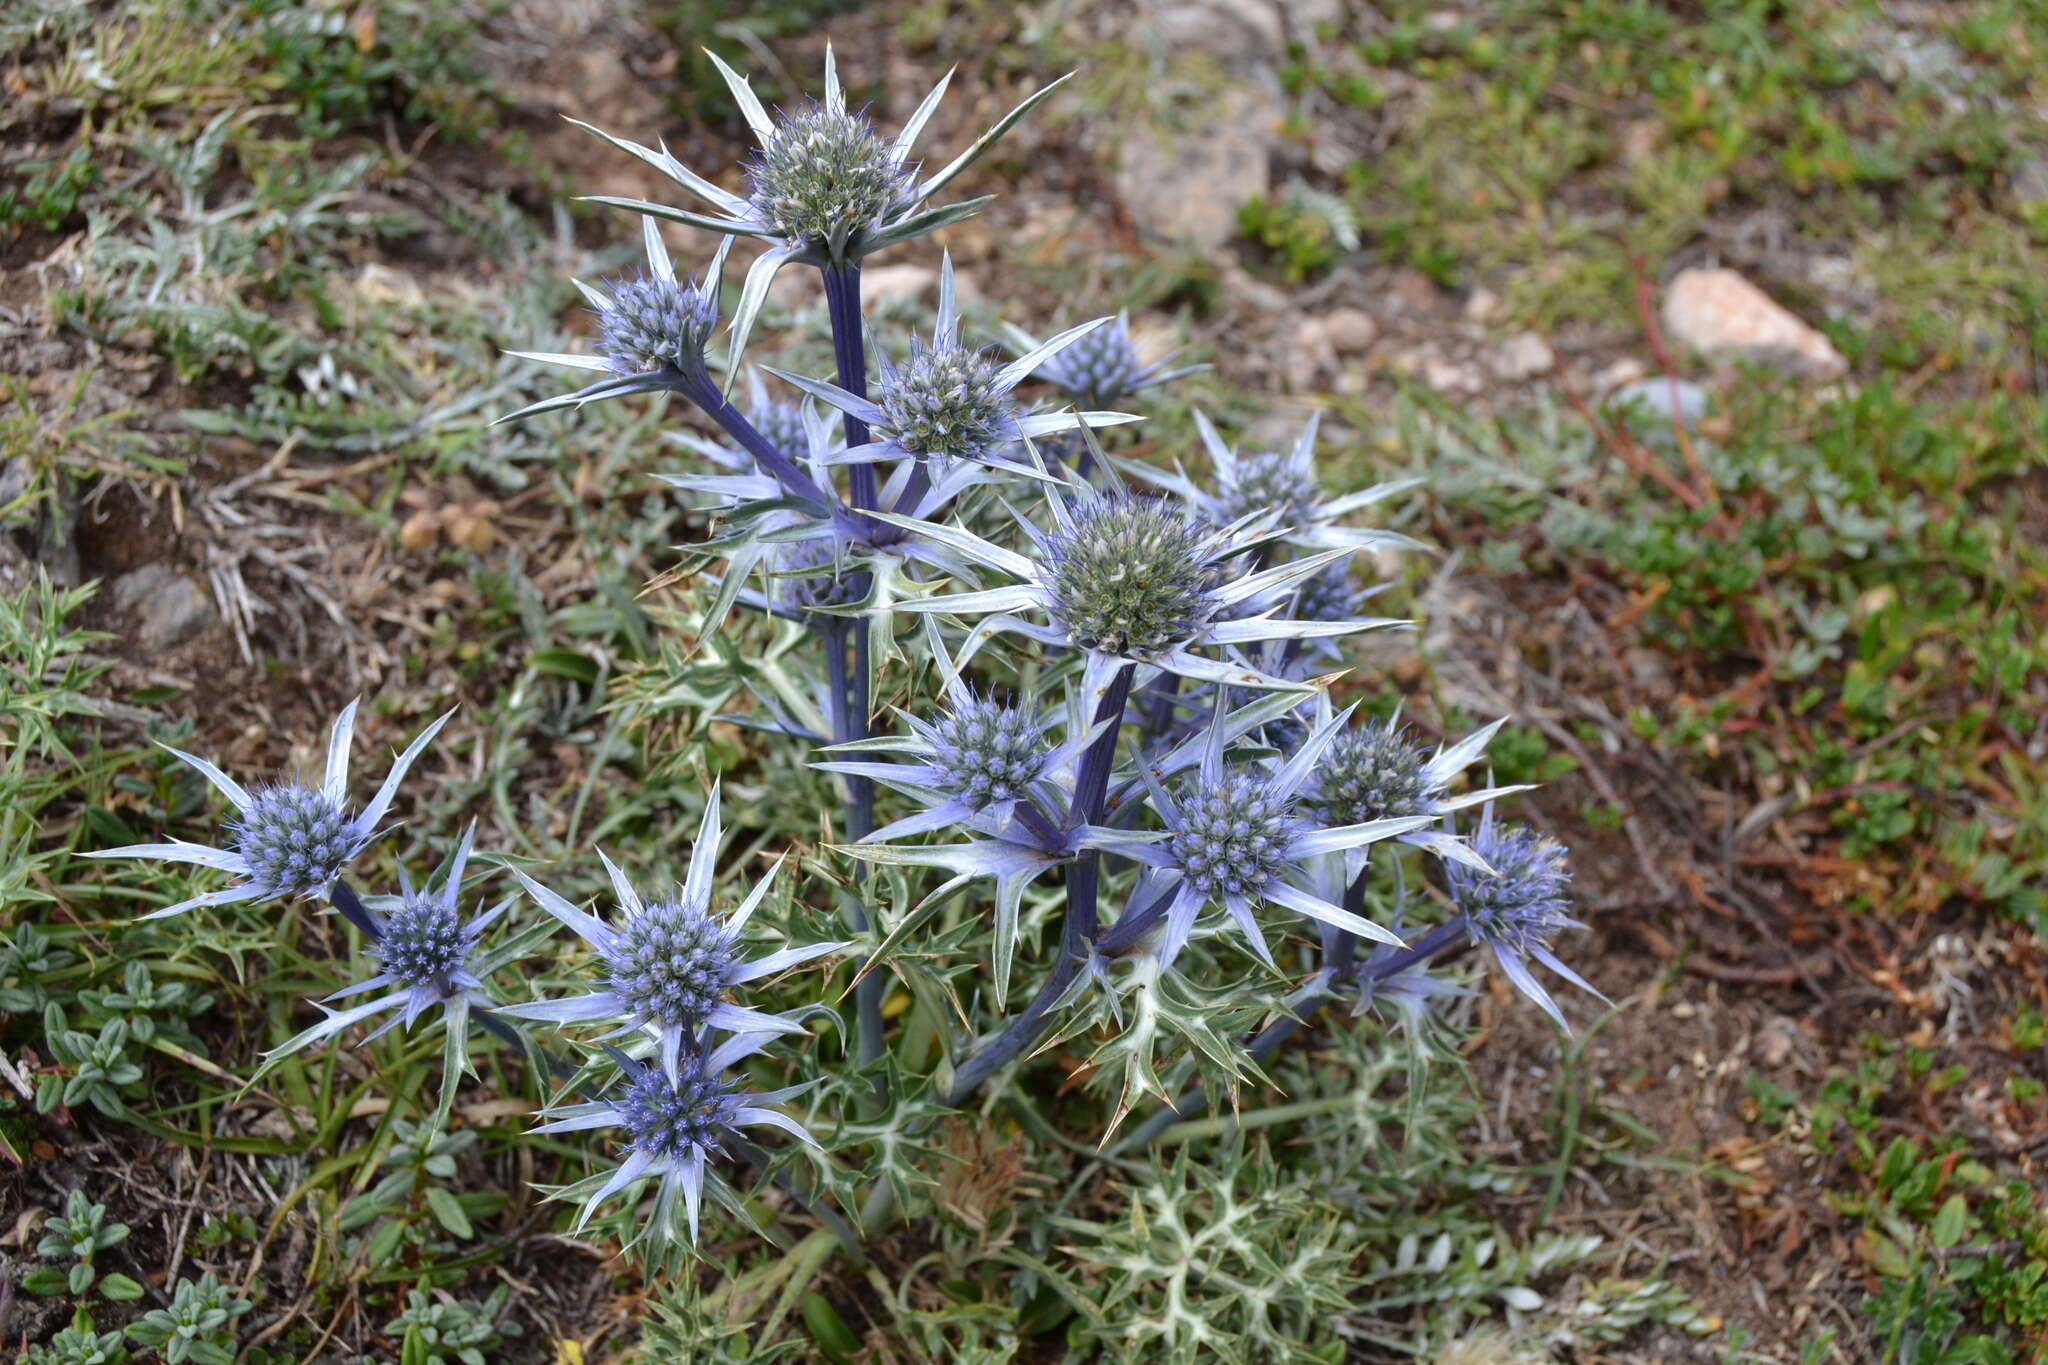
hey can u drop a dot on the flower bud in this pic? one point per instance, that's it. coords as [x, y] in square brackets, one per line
[671, 964]
[823, 176]
[1131, 577]
[1233, 836]
[294, 840]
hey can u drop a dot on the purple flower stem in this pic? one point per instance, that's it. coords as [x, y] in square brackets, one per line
[844, 694]
[849, 353]
[343, 897]
[1077, 927]
[702, 390]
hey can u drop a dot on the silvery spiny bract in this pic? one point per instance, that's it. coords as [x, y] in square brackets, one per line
[289, 839]
[674, 1122]
[668, 965]
[1518, 905]
[1282, 482]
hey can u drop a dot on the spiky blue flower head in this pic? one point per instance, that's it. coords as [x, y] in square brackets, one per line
[808, 575]
[1102, 367]
[652, 325]
[294, 838]
[1332, 595]
[669, 965]
[1374, 772]
[824, 175]
[949, 401]
[425, 945]
[423, 951]
[985, 752]
[668, 1119]
[1237, 837]
[1274, 479]
[782, 423]
[1517, 908]
[674, 1124]
[288, 839]
[1233, 834]
[1131, 579]
[652, 329]
[945, 401]
[1130, 576]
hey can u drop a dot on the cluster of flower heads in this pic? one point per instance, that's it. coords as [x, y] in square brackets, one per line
[1172, 740]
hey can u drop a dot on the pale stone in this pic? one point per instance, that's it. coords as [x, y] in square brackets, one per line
[1190, 184]
[1351, 330]
[2030, 182]
[1481, 304]
[1724, 317]
[1311, 357]
[1653, 398]
[1522, 356]
[881, 286]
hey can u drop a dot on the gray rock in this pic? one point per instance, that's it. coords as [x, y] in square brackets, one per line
[1244, 35]
[2030, 182]
[1189, 185]
[168, 607]
[1651, 405]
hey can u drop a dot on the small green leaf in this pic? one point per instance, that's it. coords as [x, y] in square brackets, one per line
[829, 1330]
[1952, 1224]
[565, 663]
[449, 1211]
[48, 1280]
[120, 1288]
[81, 1277]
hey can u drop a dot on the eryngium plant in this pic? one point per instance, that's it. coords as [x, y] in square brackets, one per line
[1116, 807]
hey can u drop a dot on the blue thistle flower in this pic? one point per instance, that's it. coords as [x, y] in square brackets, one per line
[826, 188]
[668, 965]
[1101, 367]
[1283, 482]
[1237, 838]
[1516, 905]
[1137, 580]
[824, 175]
[1375, 771]
[652, 330]
[674, 1124]
[288, 839]
[948, 402]
[423, 950]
